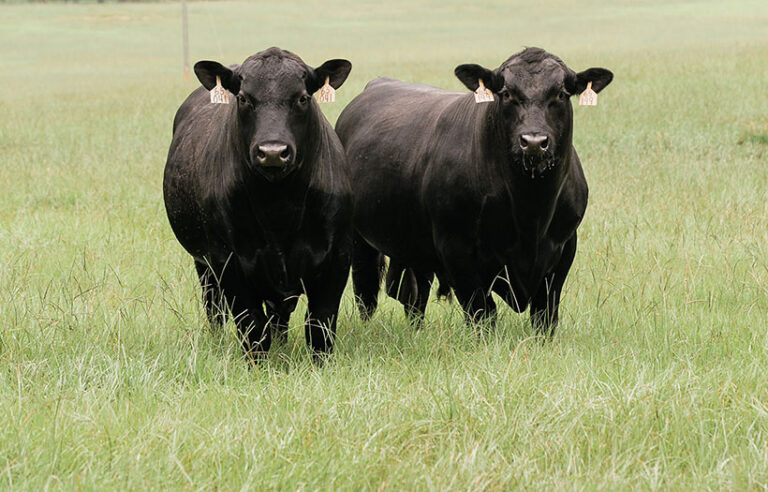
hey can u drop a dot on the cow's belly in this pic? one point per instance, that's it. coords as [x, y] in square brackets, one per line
[387, 215]
[398, 240]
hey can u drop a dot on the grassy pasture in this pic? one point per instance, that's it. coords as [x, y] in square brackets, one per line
[109, 377]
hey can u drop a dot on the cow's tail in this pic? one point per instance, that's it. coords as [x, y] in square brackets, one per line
[367, 269]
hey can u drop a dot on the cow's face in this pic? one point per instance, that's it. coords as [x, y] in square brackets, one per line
[275, 111]
[533, 90]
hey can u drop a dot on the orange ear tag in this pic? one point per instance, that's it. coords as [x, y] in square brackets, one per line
[482, 94]
[326, 94]
[219, 95]
[588, 97]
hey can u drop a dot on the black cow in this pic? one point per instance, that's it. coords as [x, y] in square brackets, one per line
[486, 196]
[257, 191]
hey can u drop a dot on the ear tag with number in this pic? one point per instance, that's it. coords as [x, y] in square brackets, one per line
[588, 97]
[483, 94]
[326, 94]
[219, 95]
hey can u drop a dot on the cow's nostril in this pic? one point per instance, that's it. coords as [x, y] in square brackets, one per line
[260, 154]
[285, 154]
[533, 144]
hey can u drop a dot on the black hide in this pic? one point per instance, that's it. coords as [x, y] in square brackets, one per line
[257, 191]
[486, 196]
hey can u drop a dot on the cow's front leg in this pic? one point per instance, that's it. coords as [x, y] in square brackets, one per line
[278, 316]
[215, 309]
[367, 269]
[479, 307]
[461, 269]
[323, 297]
[253, 329]
[545, 304]
[247, 312]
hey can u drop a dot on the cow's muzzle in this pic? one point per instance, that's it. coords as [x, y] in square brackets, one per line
[534, 145]
[274, 154]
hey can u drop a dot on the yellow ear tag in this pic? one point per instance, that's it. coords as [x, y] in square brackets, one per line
[326, 94]
[588, 97]
[219, 95]
[482, 94]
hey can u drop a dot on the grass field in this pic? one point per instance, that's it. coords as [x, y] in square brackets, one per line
[657, 378]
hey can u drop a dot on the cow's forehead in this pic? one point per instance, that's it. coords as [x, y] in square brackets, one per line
[272, 74]
[534, 77]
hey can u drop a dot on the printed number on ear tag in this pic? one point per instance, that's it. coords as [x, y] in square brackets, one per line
[588, 97]
[326, 94]
[482, 94]
[219, 95]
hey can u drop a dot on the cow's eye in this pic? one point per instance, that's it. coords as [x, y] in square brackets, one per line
[244, 101]
[303, 100]
[506, 96]
[563, 95]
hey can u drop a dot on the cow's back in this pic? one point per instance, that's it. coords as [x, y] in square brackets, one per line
[383, 117]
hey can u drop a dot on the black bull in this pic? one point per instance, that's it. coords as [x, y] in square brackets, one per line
[257, 192]
[486, 196]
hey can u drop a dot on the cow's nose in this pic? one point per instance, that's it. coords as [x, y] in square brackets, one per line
[273, 154]
[534, 144]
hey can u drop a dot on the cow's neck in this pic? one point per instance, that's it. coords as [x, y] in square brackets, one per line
[535, 199]
[279, 207]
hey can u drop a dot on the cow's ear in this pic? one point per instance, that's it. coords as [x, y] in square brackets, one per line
[335, 70]
[599, 77]
[470, 73]
[207, 71]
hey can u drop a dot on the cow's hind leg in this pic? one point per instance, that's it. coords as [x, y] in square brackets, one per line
[417, 304]
[278, 316]
[545, 304]
[367, 268]
[215, 309]
[411, 287]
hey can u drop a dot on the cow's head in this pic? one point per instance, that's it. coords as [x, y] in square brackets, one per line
[275, 111]
[533, 90]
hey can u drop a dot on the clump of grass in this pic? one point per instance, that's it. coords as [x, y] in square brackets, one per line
[754, 131]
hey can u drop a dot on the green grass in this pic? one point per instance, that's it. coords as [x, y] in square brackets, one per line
[110, 378]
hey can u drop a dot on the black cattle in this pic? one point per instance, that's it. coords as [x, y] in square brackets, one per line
[257, 191]
[487, 196]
